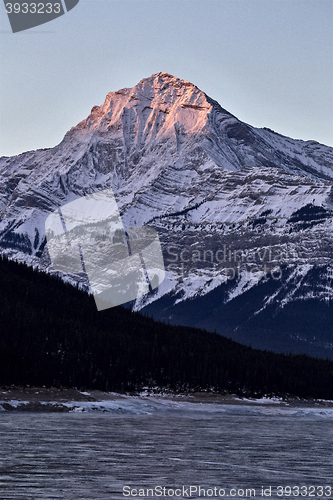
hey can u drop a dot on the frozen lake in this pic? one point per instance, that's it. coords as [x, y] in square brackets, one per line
[144, 444]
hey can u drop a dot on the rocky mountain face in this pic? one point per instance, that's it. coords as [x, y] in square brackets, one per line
[244, 215]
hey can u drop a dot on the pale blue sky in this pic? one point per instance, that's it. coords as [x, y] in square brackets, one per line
[269, 62]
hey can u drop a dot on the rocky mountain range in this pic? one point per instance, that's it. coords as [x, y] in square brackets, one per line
[244, 214]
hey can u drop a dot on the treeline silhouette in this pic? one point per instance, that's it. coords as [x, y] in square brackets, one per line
[52, 335]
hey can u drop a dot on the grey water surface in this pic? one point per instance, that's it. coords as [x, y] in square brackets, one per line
[91, 455]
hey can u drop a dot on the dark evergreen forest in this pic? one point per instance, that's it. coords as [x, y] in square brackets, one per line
[52, 335]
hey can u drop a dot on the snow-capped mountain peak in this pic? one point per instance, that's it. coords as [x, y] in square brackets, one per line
[157, 105]
[207, 182]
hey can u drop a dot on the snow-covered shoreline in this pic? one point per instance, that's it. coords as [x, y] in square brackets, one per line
[34, 399]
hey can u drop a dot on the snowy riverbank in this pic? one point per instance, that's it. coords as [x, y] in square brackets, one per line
[52, 399]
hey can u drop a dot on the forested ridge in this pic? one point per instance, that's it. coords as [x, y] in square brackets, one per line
[52, 335]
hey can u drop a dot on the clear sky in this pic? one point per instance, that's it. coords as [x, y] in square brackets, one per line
[269, 62]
